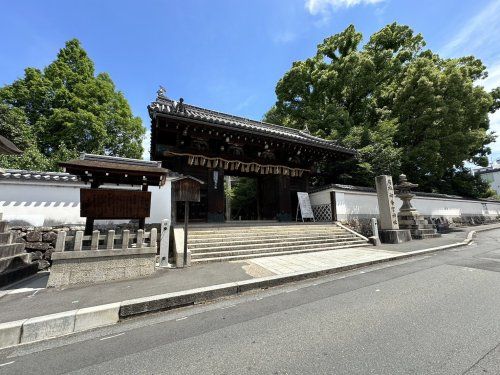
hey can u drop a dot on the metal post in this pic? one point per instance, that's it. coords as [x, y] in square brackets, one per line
[164, 242]
[186, 218]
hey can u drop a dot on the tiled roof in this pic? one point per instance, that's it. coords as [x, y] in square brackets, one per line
[172, 109]
[486, 170]
[17, 174]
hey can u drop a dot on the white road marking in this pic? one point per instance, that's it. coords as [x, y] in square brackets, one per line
[258, 299]
[32, 295]
[110, 337]
[7, 363]
[22, 290]
[227, 307]
[361, 271]
[290, 291]
[74, 301]
[184, 317]
[377, 290]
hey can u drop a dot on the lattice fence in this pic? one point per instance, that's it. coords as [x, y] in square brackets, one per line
[322, 212]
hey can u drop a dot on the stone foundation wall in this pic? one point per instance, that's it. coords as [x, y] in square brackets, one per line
[40, 241]
[363, 225]
[89, 267]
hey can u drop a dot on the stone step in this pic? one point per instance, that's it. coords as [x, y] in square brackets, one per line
[223, 228]
[268, 254]
[4, 226]
[242, 245]
[198, 242]
[261, 233]
[9, 250]
[14, 261]
[274, 228]
[276, 250]
[6, 238]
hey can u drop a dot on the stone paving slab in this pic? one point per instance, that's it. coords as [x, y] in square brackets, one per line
[284, 264]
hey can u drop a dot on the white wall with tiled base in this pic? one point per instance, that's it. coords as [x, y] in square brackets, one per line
[352, 204]
[49, 203]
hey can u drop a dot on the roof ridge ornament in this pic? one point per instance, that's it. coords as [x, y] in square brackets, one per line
[306, 129]
[162, 92]
[179, 106]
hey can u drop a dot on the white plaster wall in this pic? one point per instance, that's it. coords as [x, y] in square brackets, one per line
[40, 203]
[356, 204]
[493, 178]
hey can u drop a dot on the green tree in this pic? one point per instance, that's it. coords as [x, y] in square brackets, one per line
[244, 198]
[68, 109]
[404, 108]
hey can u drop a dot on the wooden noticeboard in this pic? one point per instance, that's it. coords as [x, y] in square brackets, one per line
[114, 204]
[304, 206]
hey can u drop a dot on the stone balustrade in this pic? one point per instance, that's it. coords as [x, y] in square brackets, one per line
[86, 259]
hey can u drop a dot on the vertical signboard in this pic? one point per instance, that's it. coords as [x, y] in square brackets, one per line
[304, 206]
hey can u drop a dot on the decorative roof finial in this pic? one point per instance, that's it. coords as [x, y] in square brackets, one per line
[162, 92]
[306, 129]
[179, 106]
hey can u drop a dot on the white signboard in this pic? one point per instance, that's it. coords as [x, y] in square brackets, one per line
[304, 206]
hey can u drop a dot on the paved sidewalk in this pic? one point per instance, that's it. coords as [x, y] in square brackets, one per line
[34, 300]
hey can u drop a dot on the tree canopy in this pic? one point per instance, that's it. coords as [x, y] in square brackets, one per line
[64, 109]
[403, 107]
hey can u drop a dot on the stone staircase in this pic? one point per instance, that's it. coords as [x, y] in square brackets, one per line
[15, 263]
[226, 242]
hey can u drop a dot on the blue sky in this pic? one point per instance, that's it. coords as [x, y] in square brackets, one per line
[227, 55]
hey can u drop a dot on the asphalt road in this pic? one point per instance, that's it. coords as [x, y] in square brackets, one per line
[438, 314]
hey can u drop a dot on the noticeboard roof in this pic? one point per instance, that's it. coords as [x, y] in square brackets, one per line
[111, 169]
[8, 148]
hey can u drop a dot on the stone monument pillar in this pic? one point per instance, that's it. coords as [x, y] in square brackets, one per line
[389, 226]
[409, 217]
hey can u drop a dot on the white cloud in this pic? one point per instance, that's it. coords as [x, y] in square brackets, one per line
[480, 31]
[146, 145]
[325, 6]
[493, 79]
[495, 126]
[284, 37]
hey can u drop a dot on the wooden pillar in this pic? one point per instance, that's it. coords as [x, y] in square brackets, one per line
[89, 221]
[284, 199]
[215, 195]
[142, 220]
[333, 202]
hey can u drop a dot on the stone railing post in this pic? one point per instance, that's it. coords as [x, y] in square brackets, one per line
[125, 239]
[110, 240]
[61, 240]
[94, 242]
[140, 238]
[78, 241]
[153, 238]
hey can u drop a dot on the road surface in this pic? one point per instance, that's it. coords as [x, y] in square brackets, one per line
[435, 314]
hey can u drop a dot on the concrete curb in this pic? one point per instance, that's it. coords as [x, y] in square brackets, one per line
[67, 322]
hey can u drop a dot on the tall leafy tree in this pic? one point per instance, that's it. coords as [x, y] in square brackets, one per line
[402, 106]
[67, 109]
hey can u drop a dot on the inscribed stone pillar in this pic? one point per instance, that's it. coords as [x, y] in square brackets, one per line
[386, 204]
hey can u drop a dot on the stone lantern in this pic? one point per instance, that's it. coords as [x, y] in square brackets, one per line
[408, 216]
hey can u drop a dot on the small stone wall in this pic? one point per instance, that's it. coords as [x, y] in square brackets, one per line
[41, 241]
[78, 259]
[88, 267]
